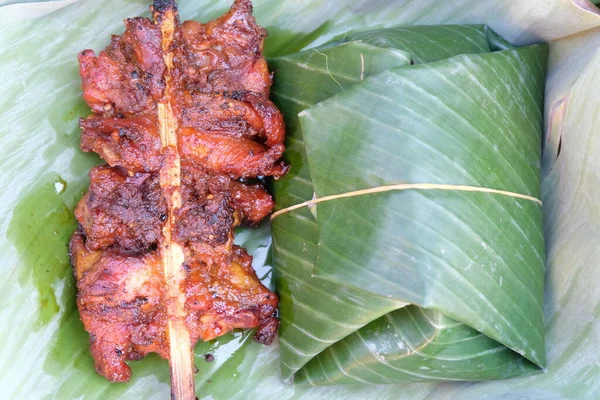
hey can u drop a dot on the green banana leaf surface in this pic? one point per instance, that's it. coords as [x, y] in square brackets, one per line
[44, 347]
[474, 257]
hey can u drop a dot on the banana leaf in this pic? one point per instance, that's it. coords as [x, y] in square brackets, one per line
[394, 245]
[44, 348]
[18, 12]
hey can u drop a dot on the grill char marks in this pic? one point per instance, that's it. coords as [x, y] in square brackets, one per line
[208, 221]
[122, 210]
[227, 129]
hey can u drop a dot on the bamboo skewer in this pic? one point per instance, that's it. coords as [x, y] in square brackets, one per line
[180, 351]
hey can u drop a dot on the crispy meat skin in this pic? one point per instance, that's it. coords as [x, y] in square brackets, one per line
[240, 158]
[228, 129]
[121, 301]
[221, 299]
[225, 54]
[132, 143]
[239, 114]
[128, 77]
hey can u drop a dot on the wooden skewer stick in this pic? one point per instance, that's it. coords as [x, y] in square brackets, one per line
[181, 357]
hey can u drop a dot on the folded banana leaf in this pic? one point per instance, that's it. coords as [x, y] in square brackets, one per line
[44, 350]
[449, 107]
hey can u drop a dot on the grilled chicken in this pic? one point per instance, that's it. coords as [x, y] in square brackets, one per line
[152, 197]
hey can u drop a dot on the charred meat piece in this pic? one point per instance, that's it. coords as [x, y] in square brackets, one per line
[224, 55]
[121, 301]
[122, 210]
[182, 116]
[237, 114]
[210, 221]
[240, 158]
[250, 201]
[131, 143]
[128, 77]
[221, 299]
[220, 85]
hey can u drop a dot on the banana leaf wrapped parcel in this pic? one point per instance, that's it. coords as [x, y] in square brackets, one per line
[409, 243]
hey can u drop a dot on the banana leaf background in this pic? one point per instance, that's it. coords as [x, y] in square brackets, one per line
[43, 345]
